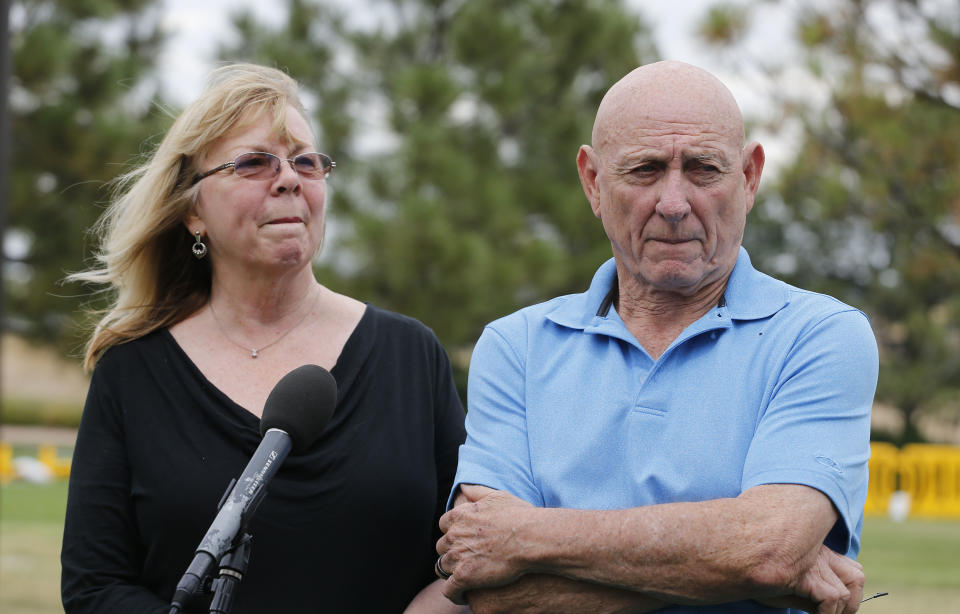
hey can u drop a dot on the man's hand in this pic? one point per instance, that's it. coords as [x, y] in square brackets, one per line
[530, 593]
[479, 546]
[832, 585]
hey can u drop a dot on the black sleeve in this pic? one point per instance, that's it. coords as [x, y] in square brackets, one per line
[101, 556]
[449, 433]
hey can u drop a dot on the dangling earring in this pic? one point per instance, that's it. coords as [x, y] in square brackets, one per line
[199, 247]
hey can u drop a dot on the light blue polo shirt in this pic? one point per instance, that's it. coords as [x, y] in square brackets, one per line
[775, 385]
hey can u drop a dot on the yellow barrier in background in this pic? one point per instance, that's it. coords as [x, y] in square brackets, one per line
[928, 473]
[46, 454]
[884, 470]
[7, 472]
[60, 466]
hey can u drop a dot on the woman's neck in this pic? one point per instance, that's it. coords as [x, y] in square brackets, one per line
[263, 301]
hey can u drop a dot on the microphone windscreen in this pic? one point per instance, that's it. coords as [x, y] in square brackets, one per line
[301, 404]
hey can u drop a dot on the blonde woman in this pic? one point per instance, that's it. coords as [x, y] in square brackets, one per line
[208, 251]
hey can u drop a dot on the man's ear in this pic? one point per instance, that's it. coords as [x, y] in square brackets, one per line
[753, 159]
[588, 167]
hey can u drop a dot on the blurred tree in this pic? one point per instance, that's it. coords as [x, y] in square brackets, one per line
[312, 45]
[80, 97]
[869, 208]
[467, 205]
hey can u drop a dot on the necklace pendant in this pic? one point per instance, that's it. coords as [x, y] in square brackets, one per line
[253, 352]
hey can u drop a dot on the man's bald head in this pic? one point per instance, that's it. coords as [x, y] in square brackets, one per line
[670, 92]
[671, 180]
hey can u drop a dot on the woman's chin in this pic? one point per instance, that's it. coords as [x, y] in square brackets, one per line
[292, 254]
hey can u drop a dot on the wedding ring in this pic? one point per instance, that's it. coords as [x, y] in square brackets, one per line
[441, 572]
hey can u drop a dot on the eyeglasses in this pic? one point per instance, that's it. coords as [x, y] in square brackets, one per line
[260, 165]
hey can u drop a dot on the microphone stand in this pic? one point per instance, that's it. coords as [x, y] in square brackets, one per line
[233, 565]
[311, 393]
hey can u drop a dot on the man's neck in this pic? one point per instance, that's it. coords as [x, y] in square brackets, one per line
[657, 317]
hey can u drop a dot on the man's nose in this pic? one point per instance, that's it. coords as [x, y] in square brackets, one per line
[673, 204]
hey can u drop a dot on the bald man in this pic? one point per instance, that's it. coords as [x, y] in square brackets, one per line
[689, 434]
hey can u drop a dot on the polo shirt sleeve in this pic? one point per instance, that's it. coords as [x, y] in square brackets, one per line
[496, 453]
[816, 428]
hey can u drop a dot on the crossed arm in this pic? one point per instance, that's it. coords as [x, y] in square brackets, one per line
[767, 544]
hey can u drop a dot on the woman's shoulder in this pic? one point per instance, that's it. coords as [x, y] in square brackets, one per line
[393, 323]
[144, 343]
[134, 353]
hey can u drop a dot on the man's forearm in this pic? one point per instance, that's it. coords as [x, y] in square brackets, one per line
[430, 600]
[543, 594]
[708, 552]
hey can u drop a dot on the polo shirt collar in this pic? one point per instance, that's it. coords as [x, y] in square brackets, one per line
[752, 295]
[580, 310]
[749, 295]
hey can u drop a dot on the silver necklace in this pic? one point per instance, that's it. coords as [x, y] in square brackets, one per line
[254, 352]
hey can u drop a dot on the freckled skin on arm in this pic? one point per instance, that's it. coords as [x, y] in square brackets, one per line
[688, 553]
[533, 592]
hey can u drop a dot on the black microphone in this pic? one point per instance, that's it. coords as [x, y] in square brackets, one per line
[297, 410]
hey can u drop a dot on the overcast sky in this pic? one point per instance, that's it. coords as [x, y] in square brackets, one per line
[194, 29]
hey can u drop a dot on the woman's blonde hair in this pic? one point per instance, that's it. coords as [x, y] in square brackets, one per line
[144, 254]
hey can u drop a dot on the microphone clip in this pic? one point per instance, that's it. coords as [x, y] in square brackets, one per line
[233, 565]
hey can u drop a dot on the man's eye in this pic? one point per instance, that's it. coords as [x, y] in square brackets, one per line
[705, 168]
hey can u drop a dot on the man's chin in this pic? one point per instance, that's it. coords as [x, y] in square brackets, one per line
[676, 276]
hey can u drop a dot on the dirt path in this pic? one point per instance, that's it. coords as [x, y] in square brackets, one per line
[31, 371]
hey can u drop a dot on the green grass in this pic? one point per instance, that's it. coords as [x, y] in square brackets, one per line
[917, 562]
[21, 502]
[919, 553]
[31, 527]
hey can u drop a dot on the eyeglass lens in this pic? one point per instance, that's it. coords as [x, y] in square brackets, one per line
[261, 165]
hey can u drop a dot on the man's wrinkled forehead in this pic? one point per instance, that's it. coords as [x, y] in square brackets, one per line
[668, 97]
[635, 152]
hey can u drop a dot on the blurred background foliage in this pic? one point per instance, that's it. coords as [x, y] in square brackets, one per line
[80, 98]
[455, 125]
